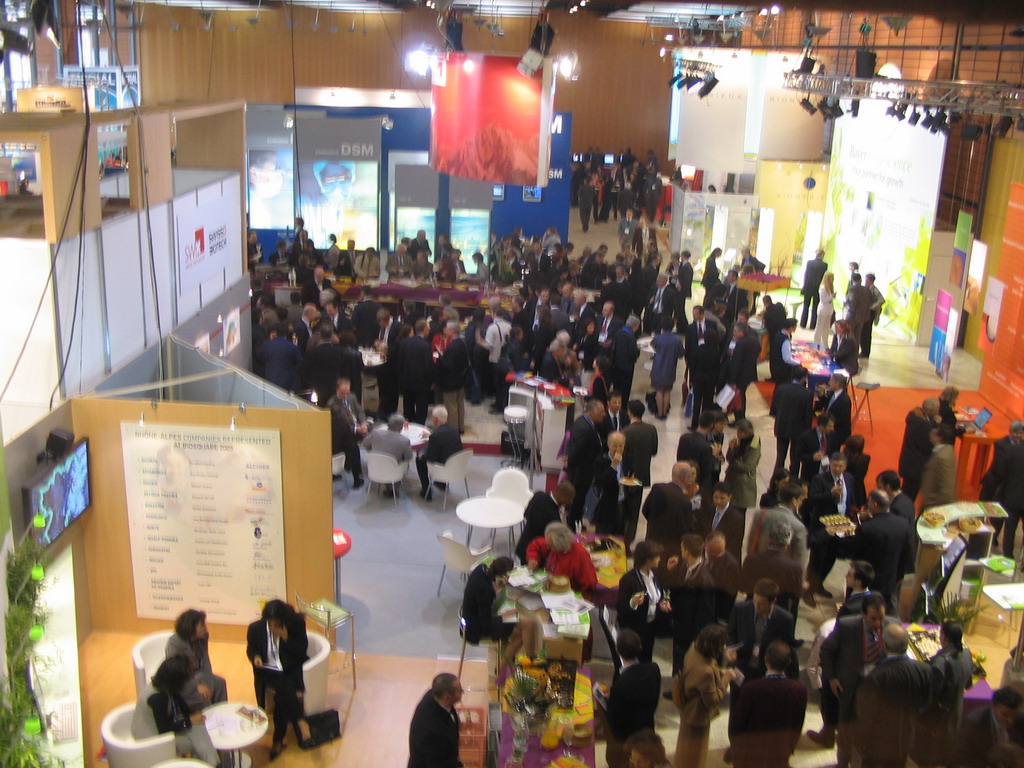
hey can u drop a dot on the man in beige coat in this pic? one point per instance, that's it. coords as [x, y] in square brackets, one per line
[938, 483]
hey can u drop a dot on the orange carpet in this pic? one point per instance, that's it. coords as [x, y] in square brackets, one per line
[883, 434]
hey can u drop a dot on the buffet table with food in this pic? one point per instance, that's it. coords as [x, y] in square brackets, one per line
[547, 716]
[817, 361]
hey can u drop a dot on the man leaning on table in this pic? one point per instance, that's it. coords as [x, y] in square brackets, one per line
[434, 731]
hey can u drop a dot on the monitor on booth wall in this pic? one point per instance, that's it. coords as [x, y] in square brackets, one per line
[58, 494]
[610, 159]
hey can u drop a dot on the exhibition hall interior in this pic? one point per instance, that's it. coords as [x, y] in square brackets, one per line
[438, 383]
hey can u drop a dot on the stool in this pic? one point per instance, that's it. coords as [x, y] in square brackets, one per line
[867, 388]
[342, 544]
[515, 417]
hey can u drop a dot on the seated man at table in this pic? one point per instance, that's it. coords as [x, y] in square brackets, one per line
[544, 508]
[391, 440]
[444, 442]
[561, 555]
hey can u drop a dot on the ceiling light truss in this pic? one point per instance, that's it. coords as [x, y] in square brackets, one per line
[955, 95]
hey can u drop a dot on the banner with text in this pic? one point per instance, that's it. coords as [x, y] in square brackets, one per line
[880, 211]
[489, 122]
[339, 172]
[205, 244]
[1002, 372]
[205, 519]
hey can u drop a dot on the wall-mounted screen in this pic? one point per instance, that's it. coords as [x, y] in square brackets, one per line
[58, 494]
[470, 231]
[610, 159]
[532, 194]
[271, 197]
[498, 191]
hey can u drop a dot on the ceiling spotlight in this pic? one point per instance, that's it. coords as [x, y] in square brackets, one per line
[855, 107]
[823, 107]
[775, 10]
[418, 62]
[1003, 126]
[709, 85]
[970, 132]
[808, 106]
[915, 116]
[891, 111]
[928, 120]
[901, 112]
[568, 66]
[676, 78]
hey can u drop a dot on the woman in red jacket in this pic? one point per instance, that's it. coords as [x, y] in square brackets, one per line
[561, 555]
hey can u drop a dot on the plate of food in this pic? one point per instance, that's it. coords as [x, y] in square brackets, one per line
[969, 525]
[632, 482]
[933, 519]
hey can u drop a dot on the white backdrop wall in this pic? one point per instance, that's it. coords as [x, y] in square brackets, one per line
[114, 318]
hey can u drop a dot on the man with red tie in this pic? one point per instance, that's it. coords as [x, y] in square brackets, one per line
[848, 655]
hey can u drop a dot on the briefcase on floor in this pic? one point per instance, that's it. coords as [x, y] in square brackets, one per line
[324, 726]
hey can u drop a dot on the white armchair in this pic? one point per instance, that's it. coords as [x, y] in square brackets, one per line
[314, 674]
[124, 750]
[454, 470]
[147, 655]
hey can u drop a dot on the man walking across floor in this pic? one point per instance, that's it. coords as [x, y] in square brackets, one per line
[794, 409]
[434, 731]
[452, 367]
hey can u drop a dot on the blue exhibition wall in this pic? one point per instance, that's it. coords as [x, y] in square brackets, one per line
[410, 132]
[553, 207]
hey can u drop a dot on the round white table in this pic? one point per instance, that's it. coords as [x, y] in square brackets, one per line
[417, 433]
[230, 732]
[490, 512]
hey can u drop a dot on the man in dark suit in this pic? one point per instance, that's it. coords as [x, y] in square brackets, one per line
[854, 646]
[633, 698]
[741, 363]
[304, 329]
[693, 595]
[794, 409]
[624, 355]
[414, 367]
[813, 272]
[721, 516]
[615, 416]
[668, 511]
[544, 508]
[836, 402]
[883, 540]
[917, 444]
[1006, 477]
[582, 451]
[312, 288]
[702, 363]
[830, 493]
[618, 292]
[684, 290]
[769, 714]
[984, 728]
[321, 366]
[661, 303]
[348, 425]
[813, 447]
[858, 306]
[443, 443]
[641, 448]
[607, 326]
[859, 578]
[725, 575]
[888, 701]
[434, 731]
[697, 447]
[776, 565]
[364, 318]
[900, 504]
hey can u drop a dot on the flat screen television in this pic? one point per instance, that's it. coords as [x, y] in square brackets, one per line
[58, 494]
[610, 159]
[532, 194]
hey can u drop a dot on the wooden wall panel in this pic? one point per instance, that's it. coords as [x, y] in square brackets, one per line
[308, 506]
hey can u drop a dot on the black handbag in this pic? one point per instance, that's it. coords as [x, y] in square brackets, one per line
[323, 727]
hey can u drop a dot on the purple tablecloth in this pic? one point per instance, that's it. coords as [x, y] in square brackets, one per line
[397, 292]
[536, 756]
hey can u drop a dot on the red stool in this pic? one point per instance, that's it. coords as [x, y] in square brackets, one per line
[342, 544]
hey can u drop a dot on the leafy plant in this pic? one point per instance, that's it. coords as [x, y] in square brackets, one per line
[955, 609]
[21, 749]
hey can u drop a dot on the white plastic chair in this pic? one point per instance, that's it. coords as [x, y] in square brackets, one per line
[338, 467]
[383, 469]
[125, 751]
[458, 556]
[511, 484]
[314, 674]
[147, 655]
[454, 470]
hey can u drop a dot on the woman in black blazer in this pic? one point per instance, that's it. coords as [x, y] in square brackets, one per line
[638, 589]
[480, 622]
[844, 349]
[276, 646]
